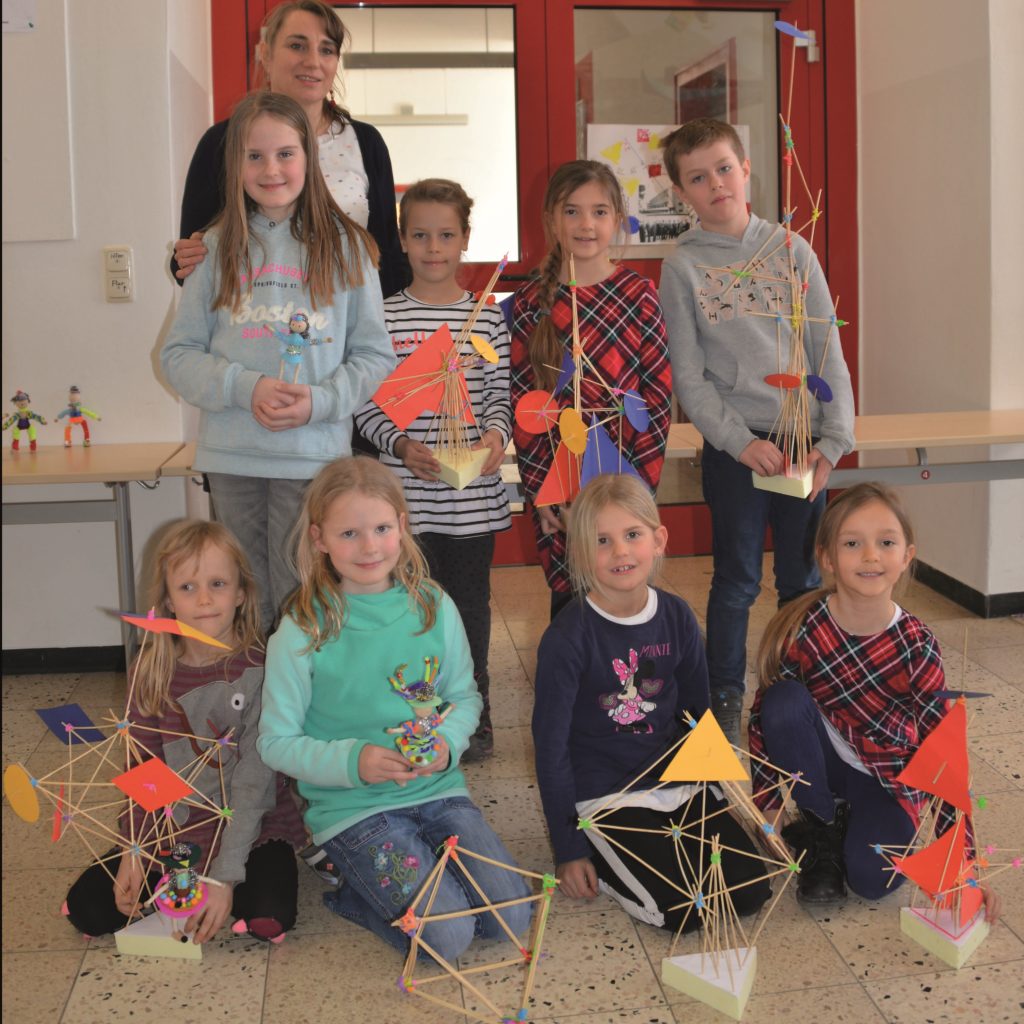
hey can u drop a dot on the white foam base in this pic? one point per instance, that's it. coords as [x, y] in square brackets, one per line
[152, 936]
[723, 987]
[938, 932]
[459, 469]
[794, 485]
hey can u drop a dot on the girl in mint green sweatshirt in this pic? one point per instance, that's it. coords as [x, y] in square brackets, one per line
[371, 660]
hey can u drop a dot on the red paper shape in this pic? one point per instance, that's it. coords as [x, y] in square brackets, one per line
[654, 171]
[562, 483]
[536, 412]
[940, 764]
[416, 385]
[783, 380]
[939, 865]
[971, 897]
[154, 624]
[153, 785]
[643, 135]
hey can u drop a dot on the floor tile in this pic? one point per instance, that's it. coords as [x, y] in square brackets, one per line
[1005, 662]
[839, 1004]
[32, 919]
[37, 985]
[512, 758]
[980, 633]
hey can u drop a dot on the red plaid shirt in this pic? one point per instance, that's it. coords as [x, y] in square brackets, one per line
[878, 691]
[623, 334]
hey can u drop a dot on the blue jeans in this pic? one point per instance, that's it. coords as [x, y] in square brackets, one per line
[739, 515]
[385, 859]
[796, 741]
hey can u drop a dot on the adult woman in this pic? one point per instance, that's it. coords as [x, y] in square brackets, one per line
[300, 48]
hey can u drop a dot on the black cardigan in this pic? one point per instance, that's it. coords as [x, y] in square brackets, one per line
[204, 197]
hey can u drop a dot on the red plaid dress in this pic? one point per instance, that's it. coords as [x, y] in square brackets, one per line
[623, 334]
[878, 691]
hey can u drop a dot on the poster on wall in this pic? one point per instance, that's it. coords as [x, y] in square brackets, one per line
[656, 215]
[19, 15]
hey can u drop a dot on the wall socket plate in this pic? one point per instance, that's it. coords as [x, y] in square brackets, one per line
[117, 273]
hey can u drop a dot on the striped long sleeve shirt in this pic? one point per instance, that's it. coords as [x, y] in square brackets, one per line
[434, 507]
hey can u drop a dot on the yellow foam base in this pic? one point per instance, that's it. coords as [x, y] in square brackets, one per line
[723, 987]
[152, 937]
[460, 469]
[936, 931]
[794, 485]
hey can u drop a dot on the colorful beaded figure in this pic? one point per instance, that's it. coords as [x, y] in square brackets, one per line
[417, 739]
[76, 413]
[294, 342]
[23, 420]
[181, 891]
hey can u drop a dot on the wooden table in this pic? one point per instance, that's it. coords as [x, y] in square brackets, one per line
[919, 432]
[116, 466]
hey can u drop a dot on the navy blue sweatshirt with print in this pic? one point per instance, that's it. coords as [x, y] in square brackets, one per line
[610, 700]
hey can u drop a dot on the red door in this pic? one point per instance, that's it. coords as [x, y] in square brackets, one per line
[579, 66]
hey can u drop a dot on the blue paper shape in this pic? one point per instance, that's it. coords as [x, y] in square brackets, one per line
[634, 225]
[602, 456]
[636, 411]
[791, 30]
[70, 714]
[565, 374]
[818, 388]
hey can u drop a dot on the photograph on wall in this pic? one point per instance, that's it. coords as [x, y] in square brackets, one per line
[656, 215]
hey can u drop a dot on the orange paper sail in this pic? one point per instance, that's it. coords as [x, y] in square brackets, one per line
[417, 385]
[151, 623]
[939, 866]
[940, 764]
[152, 785]
[562, 483]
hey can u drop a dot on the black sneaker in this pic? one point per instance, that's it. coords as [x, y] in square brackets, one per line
[316, 857]
[727, 707]
[822, 871]
[481, 743]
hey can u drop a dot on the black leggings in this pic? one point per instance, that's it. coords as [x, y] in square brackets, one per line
[659, 852]
[270, 890]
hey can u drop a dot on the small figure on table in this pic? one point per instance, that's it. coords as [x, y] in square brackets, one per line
[76, 413]
[21, 420]
[417, 740]
[294, 342]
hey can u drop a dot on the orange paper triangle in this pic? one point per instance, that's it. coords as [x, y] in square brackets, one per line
[562, 483]
[938, 866]
[705, 757]
[416, 385]
[940, 764]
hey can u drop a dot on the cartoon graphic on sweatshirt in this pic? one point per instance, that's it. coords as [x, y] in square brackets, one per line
[628, 706]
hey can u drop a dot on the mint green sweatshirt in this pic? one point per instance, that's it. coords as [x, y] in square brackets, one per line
[320, 708]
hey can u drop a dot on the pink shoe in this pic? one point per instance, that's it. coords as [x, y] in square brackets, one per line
[240, 928]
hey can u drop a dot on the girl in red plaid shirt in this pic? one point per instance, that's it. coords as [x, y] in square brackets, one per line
[622, 332]
[849, 686]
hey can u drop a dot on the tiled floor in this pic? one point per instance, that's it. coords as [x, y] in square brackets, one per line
[850, 964]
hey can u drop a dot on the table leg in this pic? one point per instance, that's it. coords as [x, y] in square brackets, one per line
[125, 565]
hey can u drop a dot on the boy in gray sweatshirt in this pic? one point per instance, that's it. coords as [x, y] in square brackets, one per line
[721, 276]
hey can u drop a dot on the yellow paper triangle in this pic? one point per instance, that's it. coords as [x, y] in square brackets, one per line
[705, 757]
[654, 142]
[612, 153]
[630, 185]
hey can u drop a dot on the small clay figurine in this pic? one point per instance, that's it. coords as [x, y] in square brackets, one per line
[417, 739]
[181, 891]
[76, 413]
[23, 420]
[294, 342]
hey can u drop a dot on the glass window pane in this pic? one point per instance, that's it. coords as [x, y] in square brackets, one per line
[641, 73]
[439, 84]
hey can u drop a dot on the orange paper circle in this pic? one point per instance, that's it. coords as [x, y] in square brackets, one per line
[573, 431]
[484, 348]
[536, 411]
[21, 793]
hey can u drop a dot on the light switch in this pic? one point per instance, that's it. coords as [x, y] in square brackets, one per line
[117, 273]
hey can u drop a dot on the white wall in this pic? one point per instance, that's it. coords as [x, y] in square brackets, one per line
[940, 222]
[139, 82]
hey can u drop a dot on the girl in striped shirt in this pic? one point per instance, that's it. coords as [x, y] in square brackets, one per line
[454, 528]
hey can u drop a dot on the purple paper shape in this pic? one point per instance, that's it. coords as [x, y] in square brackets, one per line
[635, 409]
[818, 388]
[565, 374]
[59, 719]
[602, 455]
[790, 30]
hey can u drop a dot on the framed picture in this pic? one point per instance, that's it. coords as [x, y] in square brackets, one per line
[708, 88]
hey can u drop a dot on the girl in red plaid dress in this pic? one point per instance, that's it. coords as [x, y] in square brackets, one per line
[849, 686]
[622, 332]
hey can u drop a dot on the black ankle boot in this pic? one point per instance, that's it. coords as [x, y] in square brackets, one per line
[822, 871]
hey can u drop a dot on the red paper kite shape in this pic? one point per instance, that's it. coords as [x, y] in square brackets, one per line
[152, 785]
[416, 385]
[562, 483]
[937, 868]
[153, 624]
[940, 765]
